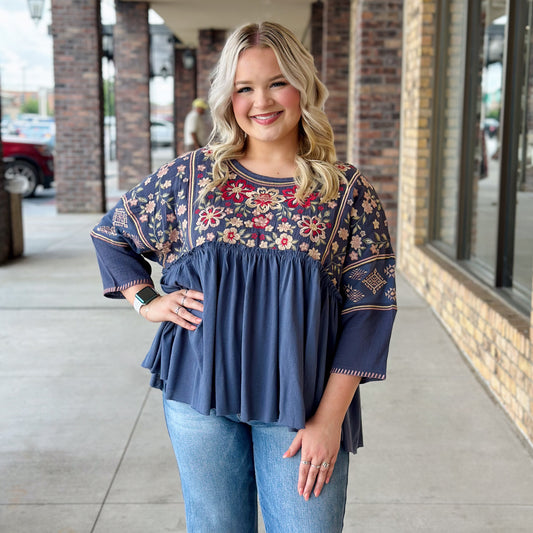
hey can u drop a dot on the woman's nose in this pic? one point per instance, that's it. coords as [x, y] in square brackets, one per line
[263, 98]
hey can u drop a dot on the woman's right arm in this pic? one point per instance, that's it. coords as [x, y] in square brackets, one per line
[173, 307]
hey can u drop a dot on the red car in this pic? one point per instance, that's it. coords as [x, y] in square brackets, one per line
[29, 160]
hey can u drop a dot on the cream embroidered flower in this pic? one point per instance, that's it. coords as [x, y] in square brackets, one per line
[284, 241]
[210, 217]
[313, 228]
[231, 235]
[264, 199]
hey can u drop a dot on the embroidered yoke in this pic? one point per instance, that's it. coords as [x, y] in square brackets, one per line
[292, 290]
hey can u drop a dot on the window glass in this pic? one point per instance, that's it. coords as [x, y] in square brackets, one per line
[523, 248]
[451, 124]
[486, 184]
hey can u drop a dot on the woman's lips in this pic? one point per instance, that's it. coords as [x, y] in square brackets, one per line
[266, 118]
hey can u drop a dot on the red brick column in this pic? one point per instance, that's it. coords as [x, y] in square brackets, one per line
[211, 42]
[132, 92]
[317, 34]
[79, 160]
[335, 66]
[376, 96]
[184, 94]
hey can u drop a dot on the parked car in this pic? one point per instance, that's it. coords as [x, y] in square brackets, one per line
[29, 160]
[161, 132]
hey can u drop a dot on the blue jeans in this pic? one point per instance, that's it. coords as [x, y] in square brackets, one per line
[225, 464]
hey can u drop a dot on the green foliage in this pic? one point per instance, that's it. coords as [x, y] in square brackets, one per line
[30, 106]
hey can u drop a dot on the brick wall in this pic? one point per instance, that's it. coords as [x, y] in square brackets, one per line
[79, 160]
[184, 94]
[132, 92]
[493, 336]
[375, 96]
[317, 34]
[335, 67]
[211, 42]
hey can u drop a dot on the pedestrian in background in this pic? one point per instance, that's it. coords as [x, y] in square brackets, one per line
[279, 295]
[195, 130]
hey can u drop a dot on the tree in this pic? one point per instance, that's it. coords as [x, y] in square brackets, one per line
[30, 106]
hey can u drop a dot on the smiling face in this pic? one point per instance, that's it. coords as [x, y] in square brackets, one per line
[265, 105]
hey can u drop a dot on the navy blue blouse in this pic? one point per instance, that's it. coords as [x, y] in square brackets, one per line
[292, 290]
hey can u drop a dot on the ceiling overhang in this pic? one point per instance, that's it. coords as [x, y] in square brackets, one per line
[185, 17]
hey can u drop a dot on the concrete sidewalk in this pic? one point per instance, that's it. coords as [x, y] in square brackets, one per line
[83, 446]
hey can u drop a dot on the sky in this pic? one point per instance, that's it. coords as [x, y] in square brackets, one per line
[26, 49]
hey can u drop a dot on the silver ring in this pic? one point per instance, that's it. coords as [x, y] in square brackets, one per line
[325, 465]
[305, 462]
[316, 466]
[177, 310]
[183, 300]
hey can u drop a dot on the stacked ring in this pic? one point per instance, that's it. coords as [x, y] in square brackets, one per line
[325, 465]
[305, 462]
[316, 466]
[177, 310]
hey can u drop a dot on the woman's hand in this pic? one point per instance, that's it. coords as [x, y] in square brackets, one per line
[320, 440]
[319, 443]
[175, 307]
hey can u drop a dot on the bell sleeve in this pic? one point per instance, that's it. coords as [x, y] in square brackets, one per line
[368, 290]
[142, 226]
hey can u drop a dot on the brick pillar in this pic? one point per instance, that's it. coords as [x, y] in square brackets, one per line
[317, 34]
[210, 45]
[335, 66]
[132, 92]
[375, 92]
[184, 94]
[79, 173]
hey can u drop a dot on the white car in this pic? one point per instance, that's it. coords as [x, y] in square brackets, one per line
[161, 132]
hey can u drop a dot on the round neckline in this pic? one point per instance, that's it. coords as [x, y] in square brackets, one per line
[259, 178]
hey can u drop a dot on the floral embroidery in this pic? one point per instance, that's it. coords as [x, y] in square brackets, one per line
[264, 199]
[313, 228]
[210, 217]
[236, 190]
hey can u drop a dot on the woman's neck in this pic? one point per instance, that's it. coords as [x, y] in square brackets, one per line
[274, 162]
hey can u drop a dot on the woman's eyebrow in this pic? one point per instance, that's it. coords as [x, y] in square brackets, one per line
[246, 82]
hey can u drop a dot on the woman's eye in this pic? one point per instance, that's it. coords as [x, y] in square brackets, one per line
[243, 90]
[279, 84]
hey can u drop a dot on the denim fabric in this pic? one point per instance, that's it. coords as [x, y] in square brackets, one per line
[225, 464]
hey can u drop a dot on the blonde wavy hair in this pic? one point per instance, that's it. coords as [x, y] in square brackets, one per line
[316, 157]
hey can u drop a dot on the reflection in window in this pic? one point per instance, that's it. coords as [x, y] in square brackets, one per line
[486, 186]
[523, 249]
[450, 123]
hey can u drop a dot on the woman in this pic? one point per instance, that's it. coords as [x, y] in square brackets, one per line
[279, 300]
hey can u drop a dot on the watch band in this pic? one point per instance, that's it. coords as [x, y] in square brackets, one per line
[143, 297]
[137, 304]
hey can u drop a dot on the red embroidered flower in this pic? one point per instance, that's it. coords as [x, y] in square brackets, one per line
[236, 191]
[292, 201]
[312, 227]
[260, 221]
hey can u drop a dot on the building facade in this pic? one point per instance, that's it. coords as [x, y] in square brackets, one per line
[465, 202]
[432, 99]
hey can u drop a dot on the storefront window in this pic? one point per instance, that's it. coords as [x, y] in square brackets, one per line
[523, 246]
[486, 184]
[483, 141]
[448, 127]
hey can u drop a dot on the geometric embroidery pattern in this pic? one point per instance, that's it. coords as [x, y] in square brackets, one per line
[120, 218]
[358, 274]
[353, 294]
[374, 281]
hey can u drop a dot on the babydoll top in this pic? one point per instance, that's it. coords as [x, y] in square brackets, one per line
[293, 290]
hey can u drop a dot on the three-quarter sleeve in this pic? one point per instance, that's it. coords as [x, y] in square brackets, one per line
[142, 226]
[368, 291]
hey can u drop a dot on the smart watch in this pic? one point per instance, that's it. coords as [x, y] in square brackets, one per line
[143, 297]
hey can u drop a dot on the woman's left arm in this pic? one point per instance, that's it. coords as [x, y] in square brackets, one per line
[320, 440]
